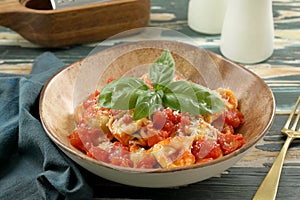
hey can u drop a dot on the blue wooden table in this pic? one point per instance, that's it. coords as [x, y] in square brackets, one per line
[281, 72]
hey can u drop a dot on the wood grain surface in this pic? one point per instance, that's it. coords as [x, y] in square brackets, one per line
[75, 25]
[281, 72]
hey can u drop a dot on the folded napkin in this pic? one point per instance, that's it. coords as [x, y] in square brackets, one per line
[31, 166]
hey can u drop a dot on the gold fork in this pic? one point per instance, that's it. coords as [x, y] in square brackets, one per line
[269, 186]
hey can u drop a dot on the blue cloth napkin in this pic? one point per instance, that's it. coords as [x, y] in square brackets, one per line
[31, 166]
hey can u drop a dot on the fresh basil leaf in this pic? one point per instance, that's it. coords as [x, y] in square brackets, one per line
[121, 94]
[180, 96]
[162, 70]
[191, 98]
[184, 96]
[146, 104]
[209, 101]
[105, 97]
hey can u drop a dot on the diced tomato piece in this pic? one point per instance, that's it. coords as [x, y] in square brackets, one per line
[161, 128]
[76, 141]
[119, 161]
[91, 100]
[88, 135]
[98, 154]
[228, 129]
[201, 148]
[216, 152]
[120, 147]
[110, 79]
[185, 121]
[148, 162]
[169, 129]
[88, 103]
[96, 93]
[165, 120]
[154, 139]
[173, 117]
[230, 142]
[164, 134]
[234, 118]
[120, 155]
[159, 119]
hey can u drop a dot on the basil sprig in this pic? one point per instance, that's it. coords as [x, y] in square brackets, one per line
[184, 96]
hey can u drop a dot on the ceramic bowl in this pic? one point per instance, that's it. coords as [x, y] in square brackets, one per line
[59, 98]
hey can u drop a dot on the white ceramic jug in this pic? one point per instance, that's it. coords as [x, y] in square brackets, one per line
[248, 31]
[206, 16]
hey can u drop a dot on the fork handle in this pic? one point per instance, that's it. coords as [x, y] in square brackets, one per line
[268, 188]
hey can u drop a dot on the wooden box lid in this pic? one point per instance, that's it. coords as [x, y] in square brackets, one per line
[38, 23]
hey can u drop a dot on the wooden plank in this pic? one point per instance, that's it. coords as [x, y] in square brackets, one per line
[281, 72]
[238, 182]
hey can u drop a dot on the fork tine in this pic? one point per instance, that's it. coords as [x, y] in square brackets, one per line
[287, 124]
[296, 122]
[298, 117]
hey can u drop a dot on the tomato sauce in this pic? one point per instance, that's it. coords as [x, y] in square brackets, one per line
[113, 137]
